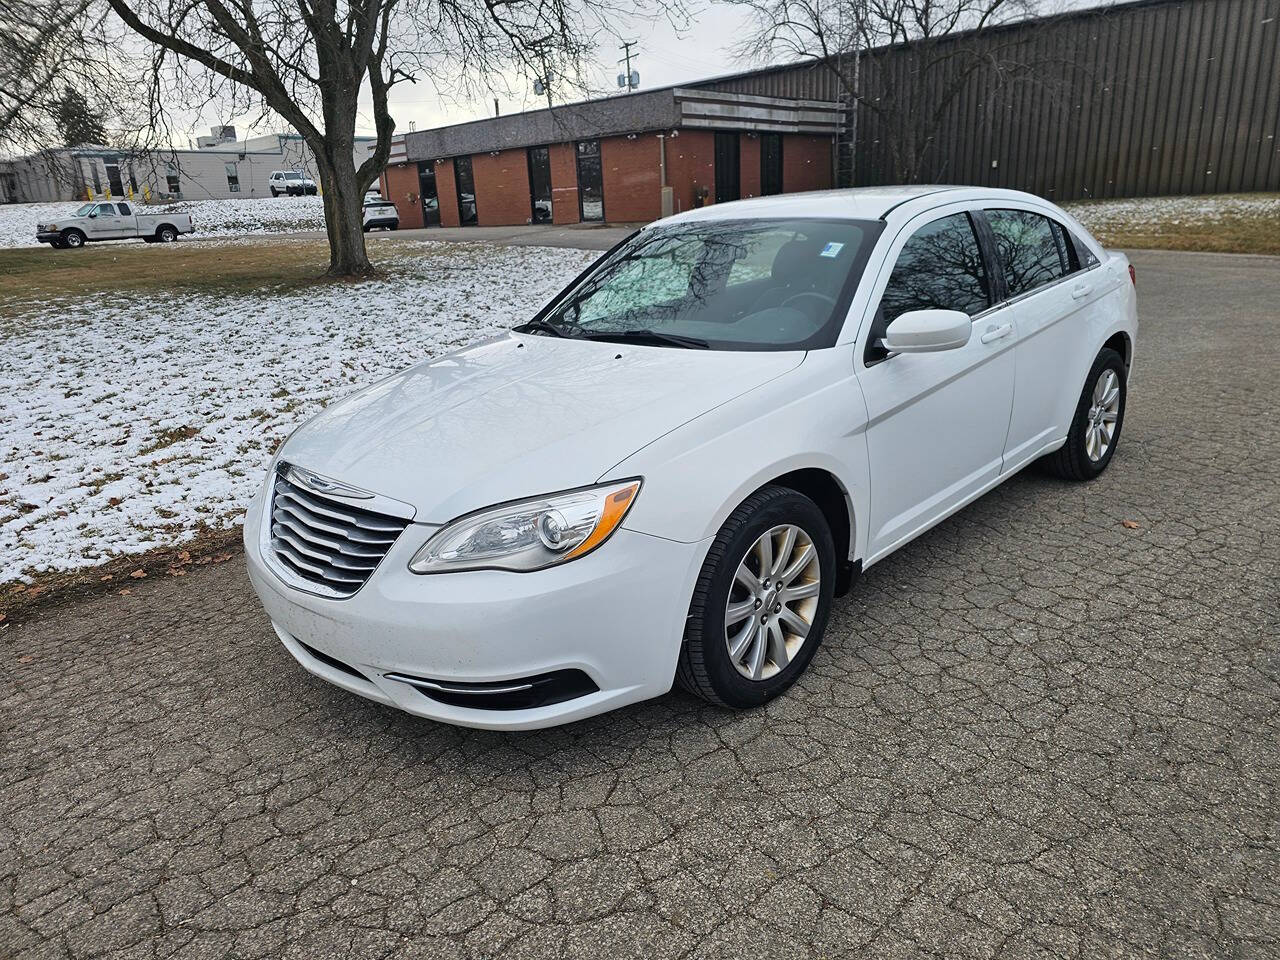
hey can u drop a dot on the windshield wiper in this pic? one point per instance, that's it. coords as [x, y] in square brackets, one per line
[655, 337]
[540, 326]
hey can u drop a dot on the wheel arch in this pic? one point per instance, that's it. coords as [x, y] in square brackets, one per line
[1122, 344]
[171, 226]
[825, 489]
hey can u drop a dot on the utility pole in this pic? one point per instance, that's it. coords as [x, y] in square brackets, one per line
[628, 79]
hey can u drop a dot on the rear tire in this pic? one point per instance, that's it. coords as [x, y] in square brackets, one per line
[757, 618]
[275, 192]
[166, 234]
[1095, 428]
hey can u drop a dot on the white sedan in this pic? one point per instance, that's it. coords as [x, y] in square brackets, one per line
[668, 473]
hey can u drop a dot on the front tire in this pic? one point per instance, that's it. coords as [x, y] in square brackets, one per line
[1095, 428]
[73, 239]
[761, 602]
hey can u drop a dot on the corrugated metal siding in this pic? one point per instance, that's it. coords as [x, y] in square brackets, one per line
[1140, 99]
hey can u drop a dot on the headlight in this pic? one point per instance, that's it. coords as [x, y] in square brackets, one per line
[529, 534]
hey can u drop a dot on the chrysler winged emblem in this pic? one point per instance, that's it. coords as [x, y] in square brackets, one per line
[332, 488]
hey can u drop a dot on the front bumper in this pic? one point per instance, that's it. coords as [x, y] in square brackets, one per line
[617, 615]
[44, 236]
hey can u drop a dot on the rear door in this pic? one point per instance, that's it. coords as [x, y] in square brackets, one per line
[936, 421]
[128, 220]
[1048, 293]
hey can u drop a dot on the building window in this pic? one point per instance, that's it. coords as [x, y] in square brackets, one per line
[590, 181]
[233, 178]
[466, 183]
[172, 180]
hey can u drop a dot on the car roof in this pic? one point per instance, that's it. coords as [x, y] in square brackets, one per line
[856, 203]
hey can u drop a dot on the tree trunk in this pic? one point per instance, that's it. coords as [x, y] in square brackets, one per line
[343, 212]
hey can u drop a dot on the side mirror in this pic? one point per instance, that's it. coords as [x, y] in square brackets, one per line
[928, 331]
[93, 214]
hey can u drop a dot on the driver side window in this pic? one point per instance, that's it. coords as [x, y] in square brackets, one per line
[939, 268]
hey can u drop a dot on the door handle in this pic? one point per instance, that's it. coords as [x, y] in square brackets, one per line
[1081, 291]
[997, 333]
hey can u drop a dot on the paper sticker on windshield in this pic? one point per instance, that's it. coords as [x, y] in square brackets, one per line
[831, 250]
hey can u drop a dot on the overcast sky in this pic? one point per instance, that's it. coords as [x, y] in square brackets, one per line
[664, 55]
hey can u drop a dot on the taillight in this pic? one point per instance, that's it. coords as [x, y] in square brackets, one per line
[1133, 275]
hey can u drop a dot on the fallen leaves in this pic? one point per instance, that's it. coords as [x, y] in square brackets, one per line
[138, 574]
[1129, 524]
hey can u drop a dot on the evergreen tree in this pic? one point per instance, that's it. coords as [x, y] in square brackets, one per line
[77, 124]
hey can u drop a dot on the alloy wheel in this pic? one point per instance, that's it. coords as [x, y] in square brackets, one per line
[1104, 413]
[772, 602]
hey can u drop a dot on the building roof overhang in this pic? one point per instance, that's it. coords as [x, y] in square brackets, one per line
[671, 108]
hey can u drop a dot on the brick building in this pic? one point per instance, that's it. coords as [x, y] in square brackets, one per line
[625, 159]
[1142, 98]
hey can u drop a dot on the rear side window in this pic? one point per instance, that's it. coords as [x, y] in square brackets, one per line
[1029, 249]
[124, 209]
[1084, 257]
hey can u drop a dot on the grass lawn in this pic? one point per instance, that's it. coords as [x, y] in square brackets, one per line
[263, 265]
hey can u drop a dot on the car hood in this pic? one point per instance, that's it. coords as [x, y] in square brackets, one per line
[516, 417]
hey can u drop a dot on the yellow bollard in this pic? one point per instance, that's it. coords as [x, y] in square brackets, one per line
[146, 193]
[88, 193]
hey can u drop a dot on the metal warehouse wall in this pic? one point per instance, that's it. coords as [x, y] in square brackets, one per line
[1141, 99]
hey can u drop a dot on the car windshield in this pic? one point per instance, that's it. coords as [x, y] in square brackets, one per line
[293, 176]
[725, 284]
[85, 209]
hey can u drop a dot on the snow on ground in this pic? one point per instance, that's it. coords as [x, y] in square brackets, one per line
[213, 218]
[1168, 212]
[128, 422]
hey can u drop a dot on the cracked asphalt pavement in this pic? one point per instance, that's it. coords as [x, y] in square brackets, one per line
[1034, 732]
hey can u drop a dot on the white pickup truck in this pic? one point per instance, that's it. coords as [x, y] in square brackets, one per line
[112, 220]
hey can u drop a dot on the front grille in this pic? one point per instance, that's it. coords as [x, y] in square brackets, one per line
[326, 540]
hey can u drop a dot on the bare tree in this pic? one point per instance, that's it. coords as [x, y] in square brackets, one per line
[902, 62]
[309, 61]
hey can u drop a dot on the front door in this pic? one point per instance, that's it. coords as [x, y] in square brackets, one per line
[105, 223]
[114, 182]
[727, 180]
[936, 421]
[466, 182]
[540, 184]
[770, 164]
[590, 181]
[427, 194]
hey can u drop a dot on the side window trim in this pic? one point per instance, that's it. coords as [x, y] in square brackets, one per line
[995, 269]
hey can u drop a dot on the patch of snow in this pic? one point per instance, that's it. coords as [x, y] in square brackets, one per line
[1162, 213]
[212, 218]
[130, 422]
